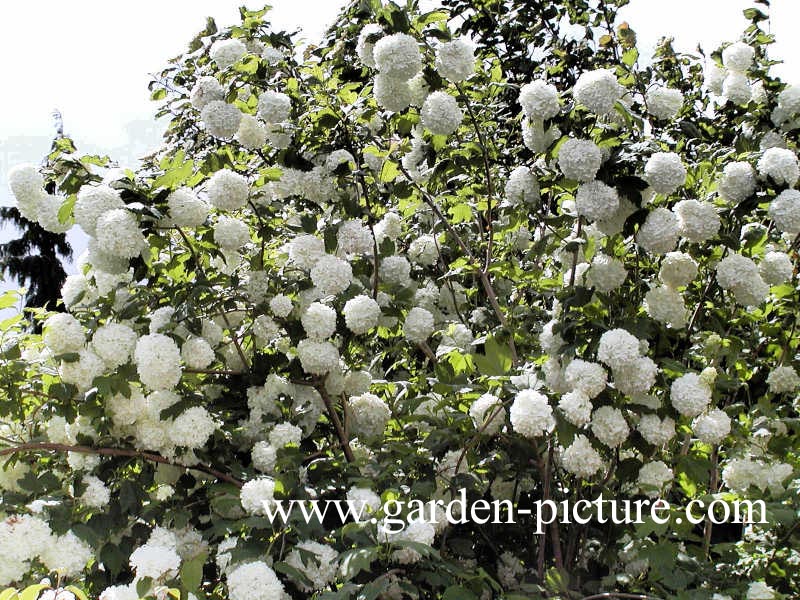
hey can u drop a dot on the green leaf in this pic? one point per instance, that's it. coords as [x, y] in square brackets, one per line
[192, 572]
[389, 171]
[9, 594]
[457, 592]
[32, 591]
[357, 560]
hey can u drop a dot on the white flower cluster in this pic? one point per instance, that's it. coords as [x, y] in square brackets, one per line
[319, 321]
[660, 231]
[221, 119]
[656, 431]
[740, 474]
[664, 103]
[254, 581]
[361, 314]
[63, 333]
[205, 90]
[712, 427]
[633, 373]
[776, 268]
[186, 209]
[316, 357]
[784, 211]
[156, 562]
[231, 233]
[227, 190]
[579, 159]
[666, 305]
[370, 415]
[418, 325]
[539, 100]
[677, 269]
[697, 221]
[226, 53]
[158, 361]
[781, 165]
[331, 275]
[580, 458]
[455, 60]
[531, 414]
[92, 202]
[783, 380]
[596, 201]
[522, 186]
[441, 114]
[485, 407]
[739, 275]
[33, 202]
[251, 133]
[609, 426]
[738, 182]
[690, 395]
[321, 569]
[654, 477]
[665, 172]
[419, 531]
[118, 233]
[82, 372]
[606, 273]
[256, 494]
[598, 91]
[192, 428]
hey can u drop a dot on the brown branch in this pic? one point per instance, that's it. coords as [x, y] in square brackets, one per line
[337, 424]
[152, 457]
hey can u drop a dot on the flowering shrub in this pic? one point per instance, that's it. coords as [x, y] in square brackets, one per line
[435, 255]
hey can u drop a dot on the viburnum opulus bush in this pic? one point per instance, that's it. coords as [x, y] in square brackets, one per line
[436, 253]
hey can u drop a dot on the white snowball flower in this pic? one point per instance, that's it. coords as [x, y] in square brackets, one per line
[26, 183]
[397, 56]
[455, 60]
[395, 270]
[197, 353]
[251, 133]
[579, 159]
[636, 377]
[158, 361]
[281, 306]
[605, 273]
[536, 138]
[736, 88]
[654, 477]
[47, 209]
[424, 250]
[598, 91]
[186, 209]
[366, 43]
[690, 395]
[363, 499]
[225, 53]
[319, 321]
[664, 103]
[660, 231]
[389, 227]
[581, 458]
[156, 562]
[776, 268]
[784, 211]
[353, 237]
[738, 182]
[697, 221]
[227, 190]
[482, 409]
[618, 348]
[118, 233]
[83, 371]
[331, 274]
[522, 186]
[539, 100]
[615, 223]
[712, 427]
[114, 343]
[665, 172]
[441, 114]
[192, 428]
[361, 314]
[221, 119]
[531, 414]
[665, 305]
[339, 157]
[587, 377]
[254, 581]
[321, 569]
[759, 590]
[418, 325]
[231, 233]
[264, 456]
[63, 334]
[305, 251]
[392, 94]
[274, 107]
[370, 414]
[418, 530]
[317, 358]
[656, 431]
[739, 275]
[577, 407]
[206, 89]
[597, 201]
[781, 165]
[285, 434]
[783, 380]
[96, 494]
[66, 555]
[609, 426]
[256, 494]
[677, 269]
[738, 57]
[92, 202]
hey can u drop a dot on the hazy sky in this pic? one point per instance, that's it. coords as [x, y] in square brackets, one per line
[92, 58]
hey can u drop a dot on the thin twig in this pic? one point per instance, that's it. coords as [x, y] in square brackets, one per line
[337, 424]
